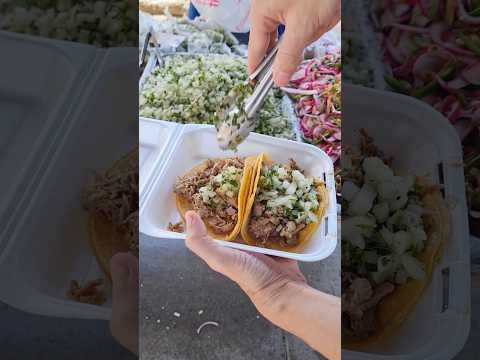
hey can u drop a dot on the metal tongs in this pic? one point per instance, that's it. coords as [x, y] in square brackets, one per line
[143, 51]
[262, 77]
[231, 133]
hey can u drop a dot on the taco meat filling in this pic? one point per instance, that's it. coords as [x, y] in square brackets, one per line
[383, 232]
[213, 192]
[114, 194]
[91, 293]
[285, 203]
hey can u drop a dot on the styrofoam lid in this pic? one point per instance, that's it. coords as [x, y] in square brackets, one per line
[35, 84]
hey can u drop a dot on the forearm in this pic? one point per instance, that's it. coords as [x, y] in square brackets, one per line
[311, 315]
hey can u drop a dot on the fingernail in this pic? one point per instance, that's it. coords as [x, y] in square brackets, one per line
[281, 78]
[190, 218]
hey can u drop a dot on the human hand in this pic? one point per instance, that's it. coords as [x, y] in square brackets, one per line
[276, 287]
[305, 21]
[124, 322]
[266, 280]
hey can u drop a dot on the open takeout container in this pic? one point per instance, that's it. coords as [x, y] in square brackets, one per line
[439, 325]
[61, 121]
[189, 145]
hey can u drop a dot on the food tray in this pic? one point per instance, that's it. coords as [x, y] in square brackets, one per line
[194, 143]
[44, 243]
[439, 325]
[155, 59]
[154, 138]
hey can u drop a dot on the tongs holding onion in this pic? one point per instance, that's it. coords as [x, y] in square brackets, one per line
[240, 119]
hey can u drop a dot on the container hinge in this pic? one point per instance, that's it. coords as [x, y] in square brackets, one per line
[441, 177]
[445, 288]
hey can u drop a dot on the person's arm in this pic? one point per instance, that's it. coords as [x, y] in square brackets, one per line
[305, 22]
[124, 322]
[276, 287]
[311, 315]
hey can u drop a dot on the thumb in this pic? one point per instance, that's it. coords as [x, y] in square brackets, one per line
[227, 261]
[124, 322]
[198, 241]
[124, 270]
[195, 227]
[289, 56]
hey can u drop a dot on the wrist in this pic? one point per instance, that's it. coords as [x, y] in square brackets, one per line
[279, 302]
[307, 313]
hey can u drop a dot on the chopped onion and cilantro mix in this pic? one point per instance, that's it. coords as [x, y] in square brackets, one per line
[432, 49]
[235, 125]
[384, 230]
[198, 89]
[317, 89]
[99, 23]
[289, 193]
[227, 183]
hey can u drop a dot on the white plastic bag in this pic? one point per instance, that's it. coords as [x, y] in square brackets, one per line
[233, 15]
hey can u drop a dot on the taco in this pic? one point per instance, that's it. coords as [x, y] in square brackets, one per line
[112, 205]
[285, 206]
[216, 189]
[393, 233]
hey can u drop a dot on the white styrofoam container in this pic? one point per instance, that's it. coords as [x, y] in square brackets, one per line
[44, 243]
[153, 139]
[440, 323]
[195, 143]
[32, 101]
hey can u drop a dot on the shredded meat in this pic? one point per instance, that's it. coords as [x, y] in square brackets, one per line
[222, 221]
[360, 317]
[261, 228]
[230, 201]
[178, 227]
[380, 292]
[131, 229]
[188, 185]
[264, 228]
[91, 293]
[223, 218]
[258, 209]
[115, 195]
[231, 211]
[364, 326]
[292, 165]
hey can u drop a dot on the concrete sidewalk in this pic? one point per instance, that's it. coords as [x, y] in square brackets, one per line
[179, 292]
[25, 336]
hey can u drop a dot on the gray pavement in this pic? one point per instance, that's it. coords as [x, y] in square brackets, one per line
[25, 337]
[179, 292]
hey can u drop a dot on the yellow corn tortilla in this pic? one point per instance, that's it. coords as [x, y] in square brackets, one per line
[105, 238]
[394, 309]
[184, 205]
[305, 234]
